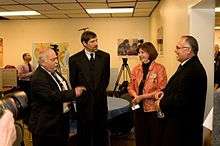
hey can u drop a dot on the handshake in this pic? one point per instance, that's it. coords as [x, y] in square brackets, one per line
[79, 90]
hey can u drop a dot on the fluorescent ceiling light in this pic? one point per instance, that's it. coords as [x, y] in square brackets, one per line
[217, 27]
[110, 10]
[19, 13]
[217, 9]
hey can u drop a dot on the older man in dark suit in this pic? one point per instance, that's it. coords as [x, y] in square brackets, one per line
[184, 97]
[48, 120]
[91, 68]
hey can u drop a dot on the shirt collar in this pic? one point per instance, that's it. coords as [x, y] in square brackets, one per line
[88, 54]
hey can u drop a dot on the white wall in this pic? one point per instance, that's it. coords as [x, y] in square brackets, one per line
[202, 28]
[20, 35]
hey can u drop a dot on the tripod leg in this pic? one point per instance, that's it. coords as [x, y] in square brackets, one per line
[118, 79]
[129, 71]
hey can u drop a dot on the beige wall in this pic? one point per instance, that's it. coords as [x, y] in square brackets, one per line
[217, 37]
[20, 35]
[174, 16]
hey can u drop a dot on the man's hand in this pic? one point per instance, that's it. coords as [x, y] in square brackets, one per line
[79, 90]
[7, 129]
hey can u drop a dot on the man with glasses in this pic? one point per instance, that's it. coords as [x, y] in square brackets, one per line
[48, 120]
[183, 100]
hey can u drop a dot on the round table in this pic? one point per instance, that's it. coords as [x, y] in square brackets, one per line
[117, 106]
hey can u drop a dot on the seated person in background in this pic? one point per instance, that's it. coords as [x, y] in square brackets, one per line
[25, 72]
[217, 67]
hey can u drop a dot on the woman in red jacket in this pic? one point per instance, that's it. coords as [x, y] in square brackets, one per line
[147, 78]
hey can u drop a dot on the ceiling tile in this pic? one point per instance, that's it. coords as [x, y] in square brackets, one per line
[60, 1]
[100, 15]
[126, 4]
[4, 2]
[141, 14]
[15, 7]
[121, 1]
[31, 1]
[92, 0]
[56, 16]
[67, 6]
[142, 10]
[41, 7]
[94, 5]
[79, 15]
[147, 5]
[37, 17]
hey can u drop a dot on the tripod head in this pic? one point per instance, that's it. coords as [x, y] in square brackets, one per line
[125, 60]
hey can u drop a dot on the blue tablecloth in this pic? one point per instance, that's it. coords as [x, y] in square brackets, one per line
[117, 106]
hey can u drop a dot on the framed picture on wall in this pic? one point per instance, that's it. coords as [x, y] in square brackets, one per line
[128, 46]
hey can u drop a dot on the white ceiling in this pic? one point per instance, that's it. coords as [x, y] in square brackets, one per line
[64, 9]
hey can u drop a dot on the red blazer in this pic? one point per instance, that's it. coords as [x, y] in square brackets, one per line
[155, 81]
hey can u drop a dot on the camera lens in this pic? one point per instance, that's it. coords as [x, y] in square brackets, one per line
[15, 102]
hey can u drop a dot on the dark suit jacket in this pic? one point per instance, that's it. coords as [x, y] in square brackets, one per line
[47, 105]
[184, 103]
[93, 104]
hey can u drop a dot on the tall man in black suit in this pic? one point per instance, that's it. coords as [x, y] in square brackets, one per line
[48, 121]
[184, 97]
[91, 68]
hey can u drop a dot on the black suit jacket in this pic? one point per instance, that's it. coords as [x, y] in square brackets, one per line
[47, 105]
[93, 104]
[184, 103]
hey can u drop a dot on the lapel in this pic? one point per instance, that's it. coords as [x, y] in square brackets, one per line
[98, 68]
[84, 61]
[63, 79]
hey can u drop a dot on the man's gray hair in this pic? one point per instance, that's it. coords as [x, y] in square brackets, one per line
[43, 56]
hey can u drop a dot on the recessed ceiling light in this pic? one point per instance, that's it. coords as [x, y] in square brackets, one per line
[19, 13]
[110, 10]
[217, 27]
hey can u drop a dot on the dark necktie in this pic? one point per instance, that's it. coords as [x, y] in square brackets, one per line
[92, 59]
[29, 67]
[58, 81]
[92, 69]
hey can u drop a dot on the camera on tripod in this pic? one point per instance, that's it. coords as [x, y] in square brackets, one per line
[125, 70]
[15, 102]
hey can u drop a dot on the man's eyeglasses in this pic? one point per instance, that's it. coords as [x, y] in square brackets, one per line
[177, 47]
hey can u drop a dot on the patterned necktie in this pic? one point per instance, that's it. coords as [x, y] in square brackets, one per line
[58, 81]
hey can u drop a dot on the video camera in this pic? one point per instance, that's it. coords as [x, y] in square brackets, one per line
[16, 102]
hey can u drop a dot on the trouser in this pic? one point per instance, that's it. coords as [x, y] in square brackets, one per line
[92, 133]
[148, 128]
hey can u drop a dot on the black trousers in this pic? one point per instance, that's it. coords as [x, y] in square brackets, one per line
[92, 133]
[148, 128]
[44, 140]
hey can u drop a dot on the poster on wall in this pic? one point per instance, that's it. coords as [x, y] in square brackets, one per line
[61, 49]
[128, 46]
